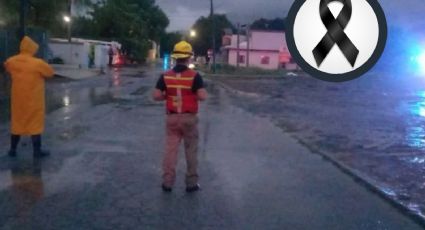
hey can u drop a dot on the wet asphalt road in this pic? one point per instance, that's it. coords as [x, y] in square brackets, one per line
[374, 125]
[106, 136]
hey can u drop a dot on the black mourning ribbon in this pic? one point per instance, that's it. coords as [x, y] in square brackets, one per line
[335, 33]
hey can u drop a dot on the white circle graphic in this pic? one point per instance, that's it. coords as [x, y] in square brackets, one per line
[362, 30]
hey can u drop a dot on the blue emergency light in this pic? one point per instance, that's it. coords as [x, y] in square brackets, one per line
[420, 59]
[166, 61]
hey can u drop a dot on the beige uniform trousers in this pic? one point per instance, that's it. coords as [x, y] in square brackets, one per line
[181, 127]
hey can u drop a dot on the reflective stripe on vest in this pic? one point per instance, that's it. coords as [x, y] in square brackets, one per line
[180, 98]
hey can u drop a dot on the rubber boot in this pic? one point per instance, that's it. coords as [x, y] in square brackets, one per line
[14, 141]
[38, 152]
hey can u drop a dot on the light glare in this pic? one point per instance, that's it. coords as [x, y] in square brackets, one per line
[421, 62]
[67, 19]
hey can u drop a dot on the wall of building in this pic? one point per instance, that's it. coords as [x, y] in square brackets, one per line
[77, 53]
[232, 58]
[263, 40]
[262, 43]
[101, 56]
[255, 59]
[71, 53]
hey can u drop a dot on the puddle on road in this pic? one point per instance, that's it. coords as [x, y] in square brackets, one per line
[73, 132]
[416, 137]
[23, 184]
[87, 96]
[59, 99]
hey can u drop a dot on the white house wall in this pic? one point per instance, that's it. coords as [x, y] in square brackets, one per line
[255, 59]
[71, 54]
[101, 56]
[267, 40]
[77, 54]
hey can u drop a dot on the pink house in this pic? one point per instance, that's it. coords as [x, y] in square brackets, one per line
[267, 50]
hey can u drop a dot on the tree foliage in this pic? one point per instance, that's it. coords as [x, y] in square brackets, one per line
[204, 29]
[269, 24]
[168, 41]
[46, 14]
[131, 22]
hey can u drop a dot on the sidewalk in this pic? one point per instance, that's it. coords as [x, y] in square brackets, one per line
[74, 72]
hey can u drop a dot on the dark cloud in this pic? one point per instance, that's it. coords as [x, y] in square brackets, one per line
[183, 13]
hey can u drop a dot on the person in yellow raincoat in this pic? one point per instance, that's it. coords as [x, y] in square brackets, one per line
[28, 74]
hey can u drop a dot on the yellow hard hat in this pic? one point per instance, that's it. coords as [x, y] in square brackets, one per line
[182, 50]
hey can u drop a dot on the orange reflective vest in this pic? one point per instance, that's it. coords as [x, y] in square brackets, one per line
[180, 97]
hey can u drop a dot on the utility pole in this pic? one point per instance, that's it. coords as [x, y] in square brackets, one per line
[213, 35]
[248, 36]
[237, 45]
[22, 18]
[70, 3]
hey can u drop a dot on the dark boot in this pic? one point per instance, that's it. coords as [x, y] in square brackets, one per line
[38, 152]
[12, 153]
[14, 141]
[166, 188]
[194, 188]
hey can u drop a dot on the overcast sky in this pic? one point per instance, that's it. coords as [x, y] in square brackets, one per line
[183, 13]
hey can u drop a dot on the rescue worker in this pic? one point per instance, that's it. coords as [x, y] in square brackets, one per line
[181, 88]
[28, 74]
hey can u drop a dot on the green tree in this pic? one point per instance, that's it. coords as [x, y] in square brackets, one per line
[133, 23]
[45, 14]
[9, 11]
[269, 24]
[204, 30]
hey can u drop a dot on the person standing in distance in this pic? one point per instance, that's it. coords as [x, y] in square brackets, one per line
[28, 97]
[182, 88]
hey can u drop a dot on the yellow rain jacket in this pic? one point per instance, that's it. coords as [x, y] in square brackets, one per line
[28, 100]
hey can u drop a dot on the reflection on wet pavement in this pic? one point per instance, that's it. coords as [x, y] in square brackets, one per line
[416, 122]
[82, 97]
[116, 78]
[26, 189]
[27, 183]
